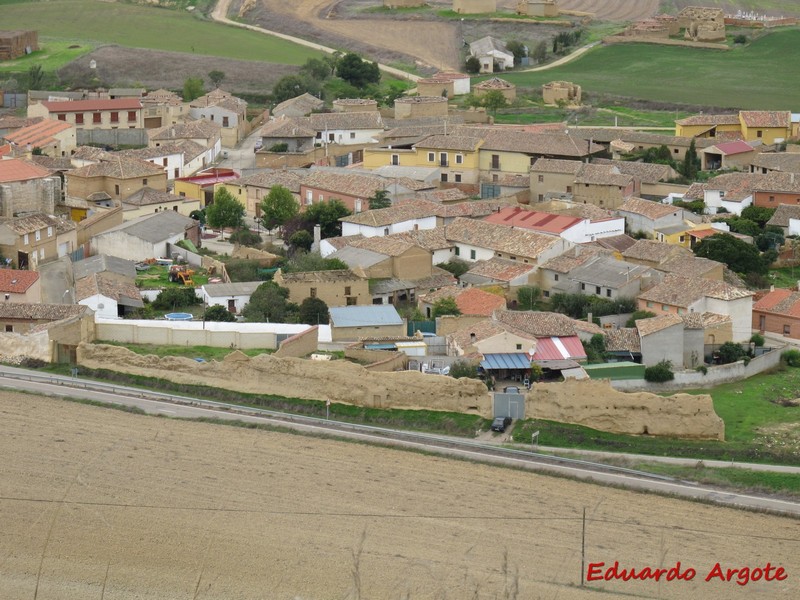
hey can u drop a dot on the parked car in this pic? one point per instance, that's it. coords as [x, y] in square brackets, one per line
[500, 423]
[511, 389]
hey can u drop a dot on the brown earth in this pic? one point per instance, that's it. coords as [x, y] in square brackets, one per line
[97, 503]
[153, 69]
[614, 10]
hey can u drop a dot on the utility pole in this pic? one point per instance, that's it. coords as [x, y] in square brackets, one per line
[583, 546]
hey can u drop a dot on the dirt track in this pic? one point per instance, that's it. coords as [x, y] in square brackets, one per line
[97, 503]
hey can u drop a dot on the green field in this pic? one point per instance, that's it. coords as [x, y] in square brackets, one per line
[600, 117]
[137, 26]
[761, 75]
[52, 55]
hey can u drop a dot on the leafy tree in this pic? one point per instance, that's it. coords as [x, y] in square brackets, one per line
[494, 100]
[743, 226]
[357, 71]
[303, 262]
[691, 162]
[268, 304]
[740, 256]
[313, 310]
[791, 357]
[445, 306]
[173, 298]
[730, 352]
[540, 52]
[36, 151]
[242, 269]
[199, 215]
[456, 266]
[278, 207]
[758, 214]
[290, 86]
[216, 77]
[279, 147]
[327, 215]
[472, 65]
[757, 340]
[637, 316]
[518, 49]
[316, 68]
[301, 240]
[35, 77]
[380, 199]
[659, 373]
[245, 237]
[226, 211]
[192, 88]
[769, 241]
[595, 348]
[219, 313]
[528, 297]
[472, 101]
[462, 368]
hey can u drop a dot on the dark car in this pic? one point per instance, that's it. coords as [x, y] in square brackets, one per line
[511, 389]
[500, 423]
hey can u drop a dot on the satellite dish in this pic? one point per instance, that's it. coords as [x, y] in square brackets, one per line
[101, 306]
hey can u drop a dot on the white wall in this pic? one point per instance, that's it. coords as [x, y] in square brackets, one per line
[215, 114]
[109, 310]
[588, 231]
[480, 253]
[373, 231]
[239, 301]
[342, 136]
[174, 161]
[741, 313]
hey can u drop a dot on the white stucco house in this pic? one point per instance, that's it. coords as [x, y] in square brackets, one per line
[488, 51]
[107, 296]
[232, 296]
[144, 237]
[407, 216]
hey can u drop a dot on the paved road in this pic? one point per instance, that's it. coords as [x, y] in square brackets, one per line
[198, 408]
[220, 12]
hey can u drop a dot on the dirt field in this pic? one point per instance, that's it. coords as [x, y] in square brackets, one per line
[97, 503]
[614, 10]
[123, 67]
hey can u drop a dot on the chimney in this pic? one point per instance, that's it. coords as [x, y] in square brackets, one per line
[589, 318]
[772, 288]
[317, 239]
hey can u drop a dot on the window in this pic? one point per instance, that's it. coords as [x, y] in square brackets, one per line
[772, 198]
[675, 150]
[664, 307]
[540, 197]
[682, 239]
[97, 118]
[444, 177]
[569, 189]
[555, 277]
[495, 161]
[116, 190]
[649, 305]
[546, 294]
[395, 159]
[541, 178]
[331, 137]
[25, 239]
[458, 251]
[472, 254]
[357, 205]
[225, 122]
[347, 291]
[459, 159]
[131, 115]
[312, 293]
[177, 173]
[62, 117]
[519, 346]
[9, 328]
[597, 289]
[681, 311]
[786, 329]
[79, 118]
[321, 197]
[144, 181]
[495, 178]
[182, 194]
[385, 231]
[443, 161]
[608, 293]
[38, 234]
[583, 287]
[457, 177]
[352, 135]
[50, 231]
[352, 301]
[163, 162]
[759, 133]
[431, 157]
[115, 117]
[41, 253]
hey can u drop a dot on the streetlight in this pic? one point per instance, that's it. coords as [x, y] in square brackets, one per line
[64, 295]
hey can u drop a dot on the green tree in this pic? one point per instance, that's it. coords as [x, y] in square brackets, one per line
[743, 226]
[472, 65]
[291, 86]
[327, 215]
[494, 100]
[380, 199]
[218, 313]
[518, 49]
[313, 311]
[596, 348]
[245, 237]
[639, 315]
[472, 101]
[691, 162]
[35, 77]
[730, 352]
[226, 211]
[199, 215]
[740, 256]
[357, 71]
[758, 214]
[192, 88]
[301, 240]
[528, 297]
[455, 266]
[659, 373]
[173, 298]
[268, 304]
[316, 68]
[540, 52]
[278, 207]
[445, 306]
[462, 368]
[216, 77]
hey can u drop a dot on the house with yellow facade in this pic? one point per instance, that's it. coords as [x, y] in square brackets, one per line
[766, 126]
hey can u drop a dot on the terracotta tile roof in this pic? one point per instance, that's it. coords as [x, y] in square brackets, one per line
[689, 266]
[710, 120]
[304, 103]
[585, 211]
[572, 258]
[221, 99]
[439, 278]
[14, 281]
[607, 135]
[766, 118]
[693, 321]
[400, 212]
[470, 301]
[332, 276]
[602, 175]
[188, 148]
[500, 269]
[98, 283]
[88, 153]
[648, 208]
[544, 324]
[40, 312]
[52, 163]
[624, 339]
[17, 169]
[714, 320]
[783, 213]
[340, 242]
[500, 238]
[350, 184]
[644, 172]
[778, 182]
[199, 129]
[460, 143]
[446, 195]
[475, 208]
[681, 292]
[389, 245]
[285, 128]
[39, 134]
[483, 330]
[780, 301]
[342, 120]
[517, 180]
[656, 324]
[655, 252]
[14, 122]
[778, 161]
[118, 167]
[533, 220]
[30, 223]
[266, 179]
[545, 144]
[148, 196]
[494, 83]
[555, 165]
[737, 186]
[162, 96]
[620, 243]
[93, 105]
[606, 271]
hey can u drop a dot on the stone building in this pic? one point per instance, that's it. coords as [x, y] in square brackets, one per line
[27, 187]
[508, 89]
[413, 107]
[537, 8]
[471, 7]
[355, 105]
[435, 86]
[557, 92]
[14, 44]
[702, 24]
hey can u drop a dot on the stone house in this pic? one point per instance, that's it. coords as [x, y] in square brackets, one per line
[566, 92]
[470, 301]
[27, 187]
[508, 274]
[252, 189]
[386, 258]
[14, 44]
[457, 156]
[178, 159]
[147, 201]
[436, 87]
[732, 155]
[354, 105]
[20, 286]
[115, 175]
[161, 108]
[54, 138]
[781, 162]
[732, 191]
[495, 84]
[334, 288]
[418, 107]
[122, 113]
[661, 338]
[219, 106]
[233, 296]
[519, 152]
[31, 240]
[343, 128]
[205, 133]
[767, 127]
[352, 189]
[467, 7]
[649, 217]
[537, 8]
[404, 216]
[601, 275]
[776, 188]
[146, 237]
[604, 186]
[299, 106]
[298, 140]
[787, 217]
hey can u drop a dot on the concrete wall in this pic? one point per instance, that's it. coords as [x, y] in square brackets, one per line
[299, 345]
[449, 324]
[340, 334]
[83, 187]
[340, 381]
[232, 335]
[111, 137]
[594, 403]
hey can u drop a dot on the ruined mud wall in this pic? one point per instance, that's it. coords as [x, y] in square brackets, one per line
[595, 404]
[341, 381]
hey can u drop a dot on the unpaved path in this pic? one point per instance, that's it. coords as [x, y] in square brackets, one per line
[97, 503]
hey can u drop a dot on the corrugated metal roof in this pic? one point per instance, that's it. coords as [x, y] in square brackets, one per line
[518, 360]
[559, 348]
[364, 316]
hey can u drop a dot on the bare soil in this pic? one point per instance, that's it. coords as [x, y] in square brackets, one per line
[614, 10]
[97, 503]
[136, 67]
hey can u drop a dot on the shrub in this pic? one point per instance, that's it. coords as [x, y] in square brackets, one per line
[173, 298]
[462, 368]
[245, 237]
[791, 358]
[279, 147]
[219, 313]
[702, 369]
[757, 339]
[730, 352]
[637, 315]
[740, 39]
[659, 373]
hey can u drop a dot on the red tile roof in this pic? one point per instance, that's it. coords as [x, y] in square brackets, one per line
[533, 220]
[780, 301]
[13, 281]
[38, 134]
[470, 301]
[16, 169]
[92, 105]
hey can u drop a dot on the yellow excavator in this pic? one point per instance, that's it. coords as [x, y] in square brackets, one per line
[181, 274]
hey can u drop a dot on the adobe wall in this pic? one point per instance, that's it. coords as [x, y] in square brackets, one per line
[474, 6]
[594, 403]
[415, 107]
[300, 344]
[33, 345]
[340, 381]
[378, 360]
[403, 3]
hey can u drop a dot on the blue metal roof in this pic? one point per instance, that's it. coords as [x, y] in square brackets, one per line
[517, 360]
[364, 316]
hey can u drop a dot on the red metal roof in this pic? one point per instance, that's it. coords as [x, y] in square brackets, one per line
[737, 147]
[15, 169]
[533, 220]
[92, 105]
[559, 348]
[704, 233]
[13, 281]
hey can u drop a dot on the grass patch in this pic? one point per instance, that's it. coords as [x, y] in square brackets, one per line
[784, 277]
[414, 420]
[673, 74]
[140, 26]
[597, 117]
[52, 55]
[758, 427]
[204, 352]
[157, 277]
